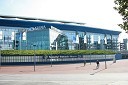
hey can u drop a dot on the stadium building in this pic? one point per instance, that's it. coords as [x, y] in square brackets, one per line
[22, 33]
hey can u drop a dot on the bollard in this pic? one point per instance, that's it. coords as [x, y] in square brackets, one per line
[84, 62]
[114, 60]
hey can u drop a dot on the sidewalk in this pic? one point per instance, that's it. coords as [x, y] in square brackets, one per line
[119, 67]
[66, 74]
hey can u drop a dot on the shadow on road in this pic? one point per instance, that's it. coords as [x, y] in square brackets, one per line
[97, 71]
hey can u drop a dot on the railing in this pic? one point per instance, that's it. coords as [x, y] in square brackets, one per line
[54, 58]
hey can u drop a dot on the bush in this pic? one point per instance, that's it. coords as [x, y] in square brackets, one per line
[55, 52]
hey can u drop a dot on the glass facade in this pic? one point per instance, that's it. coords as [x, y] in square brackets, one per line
[6, 38]
[55, 39]
[41, 39]
[58, 40]
[37, 39]
[94, 41]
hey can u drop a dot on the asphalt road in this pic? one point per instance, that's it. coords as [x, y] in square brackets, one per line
[65, 79]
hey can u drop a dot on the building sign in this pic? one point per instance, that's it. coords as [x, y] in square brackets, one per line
[37, 28]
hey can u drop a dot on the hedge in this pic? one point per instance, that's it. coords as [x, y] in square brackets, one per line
[54, 52]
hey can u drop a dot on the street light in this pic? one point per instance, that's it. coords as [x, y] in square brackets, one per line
[0, 48]
[105, 58]
[51, 60]
[51, 55]
[85, 42]
[105, 45]
[91, 45]
[90, 52]
[0, 57]
[34, 57]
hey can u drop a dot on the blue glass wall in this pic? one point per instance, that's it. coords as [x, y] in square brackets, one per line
[41, 40]
[94, 44]
[6, 42]
[66, 40]
[37, 39]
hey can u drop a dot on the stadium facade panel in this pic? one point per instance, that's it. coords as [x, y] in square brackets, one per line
[22, 34]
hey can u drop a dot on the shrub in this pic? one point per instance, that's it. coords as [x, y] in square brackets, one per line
[55, 52]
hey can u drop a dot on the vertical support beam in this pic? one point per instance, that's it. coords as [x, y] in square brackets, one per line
[56, 45]
[85, 40]
[3, 41]
[15, 39]
[26, 40]
[20, 40]
[112, 48]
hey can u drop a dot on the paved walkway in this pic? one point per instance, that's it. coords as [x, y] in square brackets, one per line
[67, 74]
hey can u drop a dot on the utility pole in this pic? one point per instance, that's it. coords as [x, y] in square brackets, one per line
[34, 58]
[105, 47]
[0, 57]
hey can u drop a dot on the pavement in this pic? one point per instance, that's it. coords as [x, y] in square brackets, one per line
[66, 74]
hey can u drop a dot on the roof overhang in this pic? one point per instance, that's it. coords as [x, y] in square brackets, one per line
[39, 19]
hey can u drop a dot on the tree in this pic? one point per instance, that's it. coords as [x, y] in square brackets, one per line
[122, 8]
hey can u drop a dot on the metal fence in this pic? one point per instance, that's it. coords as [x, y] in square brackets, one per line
[54, 58]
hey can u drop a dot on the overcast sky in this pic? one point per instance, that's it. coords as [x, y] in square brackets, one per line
[96, 13]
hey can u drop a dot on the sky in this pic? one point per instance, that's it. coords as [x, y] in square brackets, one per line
[95, 13]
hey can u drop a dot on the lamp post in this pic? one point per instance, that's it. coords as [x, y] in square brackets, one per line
[51, 55]
[90, 52]
[85, 42]
[105, 58]
[34, 57]
[105, 46]
[0, 57]
[51, 60]
[91, 45]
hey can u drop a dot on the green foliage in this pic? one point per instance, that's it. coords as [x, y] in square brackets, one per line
[122, 8]
[55, 52]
